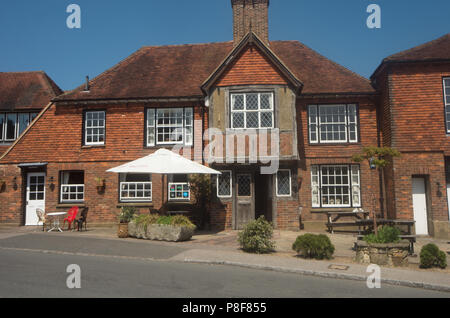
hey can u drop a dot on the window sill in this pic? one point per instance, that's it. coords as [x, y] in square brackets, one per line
[137, 204]
[325, 210]
[92, 146]
[70, 205]
[179, 202]
[335, 144]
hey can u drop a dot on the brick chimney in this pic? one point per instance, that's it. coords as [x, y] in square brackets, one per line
[250, 15]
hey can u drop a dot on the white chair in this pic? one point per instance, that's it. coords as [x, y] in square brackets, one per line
[42, 218]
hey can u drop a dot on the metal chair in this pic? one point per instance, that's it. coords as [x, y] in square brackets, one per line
[83, 219]
[42, 218]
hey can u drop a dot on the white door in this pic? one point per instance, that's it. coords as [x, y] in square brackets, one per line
[420, 206]
[448, 199]
[35, 197]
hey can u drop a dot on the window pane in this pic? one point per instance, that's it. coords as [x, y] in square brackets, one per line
[238, 120]
[266, 120]
[224, 184]
[313, 134]
[238, 102]
[266, 101]
[2, 126]
[11, 121]
[244, 185]
[332, 122]
[95, 127]
[251, 102]
[252, 120]
[284, 183]
[24, 121]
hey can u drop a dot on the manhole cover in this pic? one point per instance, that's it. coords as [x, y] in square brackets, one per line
[338, 267]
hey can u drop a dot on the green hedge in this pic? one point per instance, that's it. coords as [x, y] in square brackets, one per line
[314, 246]
[431, 256]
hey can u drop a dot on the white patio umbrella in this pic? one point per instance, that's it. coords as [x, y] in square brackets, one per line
[163, 161]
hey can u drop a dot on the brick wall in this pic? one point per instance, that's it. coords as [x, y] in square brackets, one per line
[250, 15]
[251, 68]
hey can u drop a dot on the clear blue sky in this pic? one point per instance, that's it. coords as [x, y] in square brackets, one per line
[34, 35]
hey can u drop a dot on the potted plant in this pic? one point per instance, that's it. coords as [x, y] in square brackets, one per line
[100, 184]
[125, 216]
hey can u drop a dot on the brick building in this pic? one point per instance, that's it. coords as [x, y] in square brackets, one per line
[312, 113]
[22, 97]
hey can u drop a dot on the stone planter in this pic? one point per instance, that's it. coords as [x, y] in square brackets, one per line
[392, 254]
[159, 232]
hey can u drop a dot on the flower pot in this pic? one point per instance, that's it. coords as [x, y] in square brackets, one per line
[122, 231]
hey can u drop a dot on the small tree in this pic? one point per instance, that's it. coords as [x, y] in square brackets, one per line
[201, 190]
[378, 158]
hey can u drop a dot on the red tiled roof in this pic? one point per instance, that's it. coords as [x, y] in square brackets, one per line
[26, 90]
[180, 70]
[438, 49]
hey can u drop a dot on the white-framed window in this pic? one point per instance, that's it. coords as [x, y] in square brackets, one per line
[135, 187]
[12, 125]
[224, 184]
[95, 126]
[446, 83]
[179, 188]
[333, 123]
[168, 126]
[72, 186]
[335, 186]
[284, 183]
[252, 110]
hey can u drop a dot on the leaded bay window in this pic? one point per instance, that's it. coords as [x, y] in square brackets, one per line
[72, 186]
[168, 126]
[135, 187]
[95, 126]
[447, 102]
[12, 125]
[333, 123]
[284, 183]
[179, 188]
[252, 111]
[335, 186]
[224, 185]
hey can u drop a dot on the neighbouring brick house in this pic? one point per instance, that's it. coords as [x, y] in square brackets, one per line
[22, 96]
[170, 95]
[414, 88]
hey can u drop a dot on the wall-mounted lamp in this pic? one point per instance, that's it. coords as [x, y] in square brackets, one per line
[438, 192]
[15, 186]
[52, 184]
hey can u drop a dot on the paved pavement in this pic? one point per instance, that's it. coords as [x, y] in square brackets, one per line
[216, 248]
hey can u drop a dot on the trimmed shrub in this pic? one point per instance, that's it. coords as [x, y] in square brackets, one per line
[431, 256]
[257, 237]
[387, 234]
[314, 246]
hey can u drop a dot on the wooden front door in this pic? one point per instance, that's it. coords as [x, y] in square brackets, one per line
[245, 200]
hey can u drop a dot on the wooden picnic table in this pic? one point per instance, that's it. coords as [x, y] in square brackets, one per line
[334, 216]
[369, 223]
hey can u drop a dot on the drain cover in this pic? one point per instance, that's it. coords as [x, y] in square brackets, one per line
[338, 267]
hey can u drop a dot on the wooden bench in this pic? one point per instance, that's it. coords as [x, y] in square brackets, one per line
[411, 238]
[334, 216]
